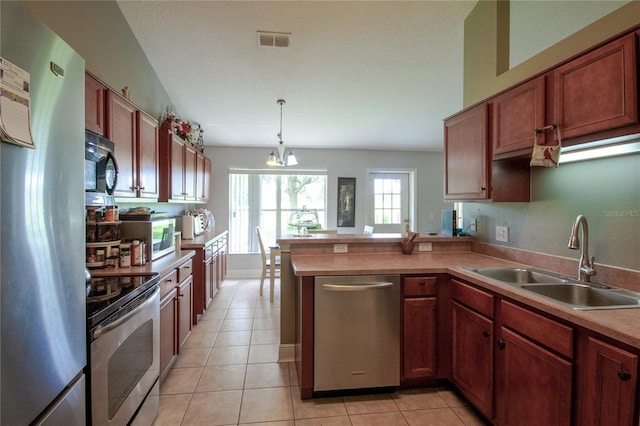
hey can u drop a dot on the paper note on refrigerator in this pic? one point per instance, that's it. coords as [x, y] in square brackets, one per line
[15, 105]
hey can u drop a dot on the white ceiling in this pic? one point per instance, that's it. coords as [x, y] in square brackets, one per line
[363, 75]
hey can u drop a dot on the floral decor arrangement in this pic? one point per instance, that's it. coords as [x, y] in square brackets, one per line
[190, 132]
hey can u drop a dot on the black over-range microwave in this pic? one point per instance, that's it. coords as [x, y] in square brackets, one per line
[100, 166]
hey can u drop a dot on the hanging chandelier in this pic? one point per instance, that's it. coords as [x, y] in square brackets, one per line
[281, 156]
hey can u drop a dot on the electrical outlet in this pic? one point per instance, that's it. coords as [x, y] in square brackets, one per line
[502, 234]
[340, 248]
[425, 247]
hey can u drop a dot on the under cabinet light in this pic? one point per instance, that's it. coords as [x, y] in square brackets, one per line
[601, 149]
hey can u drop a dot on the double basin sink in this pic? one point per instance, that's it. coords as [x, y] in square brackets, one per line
[576, 294]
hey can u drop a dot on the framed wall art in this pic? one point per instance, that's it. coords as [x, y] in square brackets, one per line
[346, 202]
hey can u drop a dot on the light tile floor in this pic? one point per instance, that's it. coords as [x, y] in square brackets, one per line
[228, 374]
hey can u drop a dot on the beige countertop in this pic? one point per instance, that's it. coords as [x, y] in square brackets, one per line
[202, 240]
[156, 267]
[620, 324]
[366, 238]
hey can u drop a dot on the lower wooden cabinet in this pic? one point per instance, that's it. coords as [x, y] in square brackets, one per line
[208, 271]
[534, 369]
[175, 313]
[168, 349]
[472, 357]
[419, 328]
[185, 303]
[533, 384]
[609, 386]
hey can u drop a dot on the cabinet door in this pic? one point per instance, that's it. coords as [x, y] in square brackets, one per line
[121, 126]
[597, 91]
[94, 105]
[184, 311]
[209, 277]
[200, 177]
[215, 260]
[222, 266]
[419, 333]
[177, 168]
[190, 173]
[467, 156]
[611, 382]
[167, 331]
[206, 180]
[533, 385]
[516, 114]
[147, 154]
[472, 357]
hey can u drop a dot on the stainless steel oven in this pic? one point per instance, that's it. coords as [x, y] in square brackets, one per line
[124, 352]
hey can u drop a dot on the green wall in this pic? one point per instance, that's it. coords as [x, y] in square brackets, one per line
[606, 191]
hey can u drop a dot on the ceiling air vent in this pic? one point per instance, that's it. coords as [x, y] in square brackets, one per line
[270, 39]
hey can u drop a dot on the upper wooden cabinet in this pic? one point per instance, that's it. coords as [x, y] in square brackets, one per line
[135, 136]
[147, 153]
[121, 130]
[94, 117]
[467, 155]
[190, 168]
[516, 114]
[597, 91]
[203, 175]
[179, 170]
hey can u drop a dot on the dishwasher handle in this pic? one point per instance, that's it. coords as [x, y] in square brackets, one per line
[356, 286]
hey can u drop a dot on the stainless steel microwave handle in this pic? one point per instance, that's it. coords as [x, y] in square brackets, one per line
[112, 325]
[356, 286]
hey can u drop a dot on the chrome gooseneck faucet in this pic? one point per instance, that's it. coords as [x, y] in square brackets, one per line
[585, 267]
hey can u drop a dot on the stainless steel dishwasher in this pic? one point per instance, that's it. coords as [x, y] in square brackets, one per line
[356, 332]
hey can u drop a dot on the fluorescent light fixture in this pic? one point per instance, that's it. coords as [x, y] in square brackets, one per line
[606, 148]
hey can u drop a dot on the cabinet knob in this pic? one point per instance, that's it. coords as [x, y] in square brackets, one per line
[422, 283]
[486, 333]
[624, 375]
[501, 344]
[483, 188]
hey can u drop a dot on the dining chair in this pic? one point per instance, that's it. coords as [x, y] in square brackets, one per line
[270, 265]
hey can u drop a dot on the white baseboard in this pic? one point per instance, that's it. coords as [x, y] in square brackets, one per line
[287, 352]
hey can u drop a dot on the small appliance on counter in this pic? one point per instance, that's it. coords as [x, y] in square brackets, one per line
[196, 222]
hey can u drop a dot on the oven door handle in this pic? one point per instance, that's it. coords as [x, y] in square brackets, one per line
[107, 328]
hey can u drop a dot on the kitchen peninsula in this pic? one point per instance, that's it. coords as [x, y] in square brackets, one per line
[576, 351]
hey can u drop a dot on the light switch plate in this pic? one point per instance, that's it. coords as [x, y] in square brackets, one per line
[340, 248]
[425, 247]
[502, 234]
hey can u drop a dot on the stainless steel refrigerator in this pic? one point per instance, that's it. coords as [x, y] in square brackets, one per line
[42, 294]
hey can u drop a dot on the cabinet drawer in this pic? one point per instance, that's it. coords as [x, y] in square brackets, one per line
[472, 297]
[420, 286]
[185, 270]
[545, 331]
[168, 283]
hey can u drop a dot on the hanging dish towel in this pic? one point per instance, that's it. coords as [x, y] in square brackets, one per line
[546, 155]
